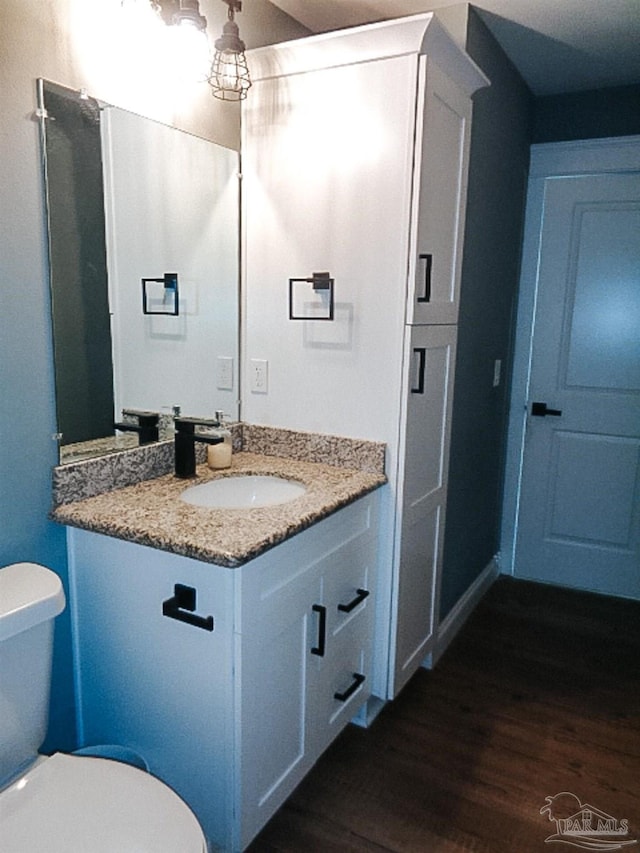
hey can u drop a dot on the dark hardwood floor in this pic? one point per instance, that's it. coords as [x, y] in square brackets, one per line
[539, 694]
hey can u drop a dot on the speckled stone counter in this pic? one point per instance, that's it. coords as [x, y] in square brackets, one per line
[151, 512]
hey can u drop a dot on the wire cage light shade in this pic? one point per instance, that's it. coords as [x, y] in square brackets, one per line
[229, 77]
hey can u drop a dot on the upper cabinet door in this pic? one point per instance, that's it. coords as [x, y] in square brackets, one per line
[440, 191]
[327, 168]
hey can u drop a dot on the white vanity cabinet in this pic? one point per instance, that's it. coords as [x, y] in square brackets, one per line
[355, 155]
[232, 718]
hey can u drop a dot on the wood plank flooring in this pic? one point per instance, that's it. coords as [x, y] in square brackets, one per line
[539, 694]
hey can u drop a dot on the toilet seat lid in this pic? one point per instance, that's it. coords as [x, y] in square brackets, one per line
[73, 804]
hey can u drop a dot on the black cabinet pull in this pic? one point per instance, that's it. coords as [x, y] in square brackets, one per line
[182, 605]
[540, 410]
[360, 597]
[322, 630]
[428, 266]
[422, 354]
[358, 679]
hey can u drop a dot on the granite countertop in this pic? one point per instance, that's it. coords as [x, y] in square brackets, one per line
[151, 513]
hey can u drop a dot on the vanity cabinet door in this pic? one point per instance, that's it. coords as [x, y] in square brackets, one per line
[422, 500]
[152, 683]
[440, 192]
[275, 661]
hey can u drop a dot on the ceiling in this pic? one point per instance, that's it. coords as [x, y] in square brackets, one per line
[557, 45]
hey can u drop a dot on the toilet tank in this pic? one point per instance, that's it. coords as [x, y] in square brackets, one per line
[31, 596]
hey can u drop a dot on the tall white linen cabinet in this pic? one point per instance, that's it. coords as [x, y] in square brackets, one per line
[354, 159]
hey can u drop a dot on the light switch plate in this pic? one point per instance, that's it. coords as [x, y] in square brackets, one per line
[224, 379]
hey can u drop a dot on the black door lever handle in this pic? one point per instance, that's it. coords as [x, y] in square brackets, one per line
[541, 410]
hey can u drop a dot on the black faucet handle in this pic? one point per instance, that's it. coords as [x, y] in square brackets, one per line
[188, 425]
[145, 418]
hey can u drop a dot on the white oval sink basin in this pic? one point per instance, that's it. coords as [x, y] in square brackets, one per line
[243, 492]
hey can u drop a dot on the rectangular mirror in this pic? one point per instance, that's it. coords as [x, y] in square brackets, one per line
[130, 199]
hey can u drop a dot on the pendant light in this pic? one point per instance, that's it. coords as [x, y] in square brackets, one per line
[181, 13]
[229, 76]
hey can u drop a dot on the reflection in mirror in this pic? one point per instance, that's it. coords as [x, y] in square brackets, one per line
[130, 199]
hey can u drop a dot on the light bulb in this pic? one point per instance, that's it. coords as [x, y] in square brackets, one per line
[189, 49]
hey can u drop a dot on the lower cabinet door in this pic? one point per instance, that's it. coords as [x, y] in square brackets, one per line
[274, 756]
[423, 493]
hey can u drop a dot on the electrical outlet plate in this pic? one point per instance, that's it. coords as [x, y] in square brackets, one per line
[259, 379]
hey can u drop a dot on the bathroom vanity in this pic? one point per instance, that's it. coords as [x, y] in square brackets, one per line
[231, 677]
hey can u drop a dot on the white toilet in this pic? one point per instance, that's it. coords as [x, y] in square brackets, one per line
[67, 803]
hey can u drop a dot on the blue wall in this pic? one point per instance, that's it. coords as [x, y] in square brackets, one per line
[588, 115]
[506, 120]
[499, 160]
[27, 419]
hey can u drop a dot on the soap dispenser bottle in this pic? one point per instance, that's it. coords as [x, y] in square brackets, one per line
[219, 455]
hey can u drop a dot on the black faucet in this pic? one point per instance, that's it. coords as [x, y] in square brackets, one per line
[147, 426]
[185, 443]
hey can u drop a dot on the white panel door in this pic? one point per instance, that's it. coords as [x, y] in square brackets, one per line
[421, 512]
[579, 521]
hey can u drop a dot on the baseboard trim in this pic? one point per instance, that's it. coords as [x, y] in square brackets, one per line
[464, 607]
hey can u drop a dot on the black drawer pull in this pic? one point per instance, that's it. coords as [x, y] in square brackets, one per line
[422, 354]
[358, 679]
[360, 597]
[182, 605]
[322, 630]
[428, 265]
